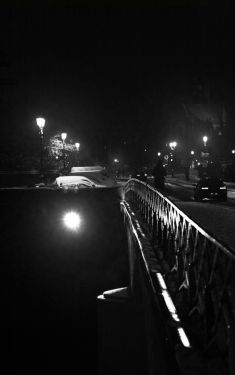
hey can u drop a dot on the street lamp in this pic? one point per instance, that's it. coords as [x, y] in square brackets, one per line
[192, 152]
[63, 136]
[159, 154]
[41, 123]
[116, 167]
[172, 157]
[173, 145]
[77, 145]
[205, 139]
[233, 152]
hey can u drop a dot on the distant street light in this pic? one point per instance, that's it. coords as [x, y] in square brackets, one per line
[77, 145]
[205, 139]
[159, 154]
[41, 123]
[116, 167]
[233, 152]
[63, 137]
[172, 157]
[173, 145]
[192, 152]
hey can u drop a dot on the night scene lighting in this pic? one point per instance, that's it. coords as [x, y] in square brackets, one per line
[117, 179]
[72, 221]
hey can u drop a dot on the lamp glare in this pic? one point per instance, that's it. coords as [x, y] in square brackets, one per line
[72, 221]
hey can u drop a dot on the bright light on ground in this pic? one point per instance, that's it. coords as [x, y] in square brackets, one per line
[72, 220]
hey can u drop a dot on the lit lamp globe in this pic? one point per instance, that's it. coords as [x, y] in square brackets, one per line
[205, 139]
[77, 145]
[173, 145]
[40, 123]
[63, 136]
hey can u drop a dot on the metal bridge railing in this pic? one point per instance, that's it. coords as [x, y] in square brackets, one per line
[198, 270]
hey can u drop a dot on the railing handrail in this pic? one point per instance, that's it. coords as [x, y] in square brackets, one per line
[197, 267]
[225, 248]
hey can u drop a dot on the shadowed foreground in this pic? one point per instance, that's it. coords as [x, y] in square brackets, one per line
[50, 277]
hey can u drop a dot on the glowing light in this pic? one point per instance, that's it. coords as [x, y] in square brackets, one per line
[161, 281]
[159, 154]
[184, 339]
[40, 123]
[233, 151]
[170, 305]
[72, 220]
[63, 136]
[77, 145]
[173, 145]
[167, 298]
[205, 139]
[192, 152]
[116, 161]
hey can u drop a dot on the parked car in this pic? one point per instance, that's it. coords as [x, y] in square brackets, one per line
[77, 182]
[86, 177]
[210, 188]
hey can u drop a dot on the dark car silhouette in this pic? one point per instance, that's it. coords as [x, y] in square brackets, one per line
[210, 188]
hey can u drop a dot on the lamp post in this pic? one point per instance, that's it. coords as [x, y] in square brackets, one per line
[63, 137]
[205, 139]
[41, 123]
[116, 164]
[77, 146]
[173, 145]
[172, 156]
[233, 157]
[205, 154]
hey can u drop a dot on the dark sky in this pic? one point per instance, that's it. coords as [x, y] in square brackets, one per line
[106, 74]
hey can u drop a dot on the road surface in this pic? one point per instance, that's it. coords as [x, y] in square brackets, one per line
[218, 218]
